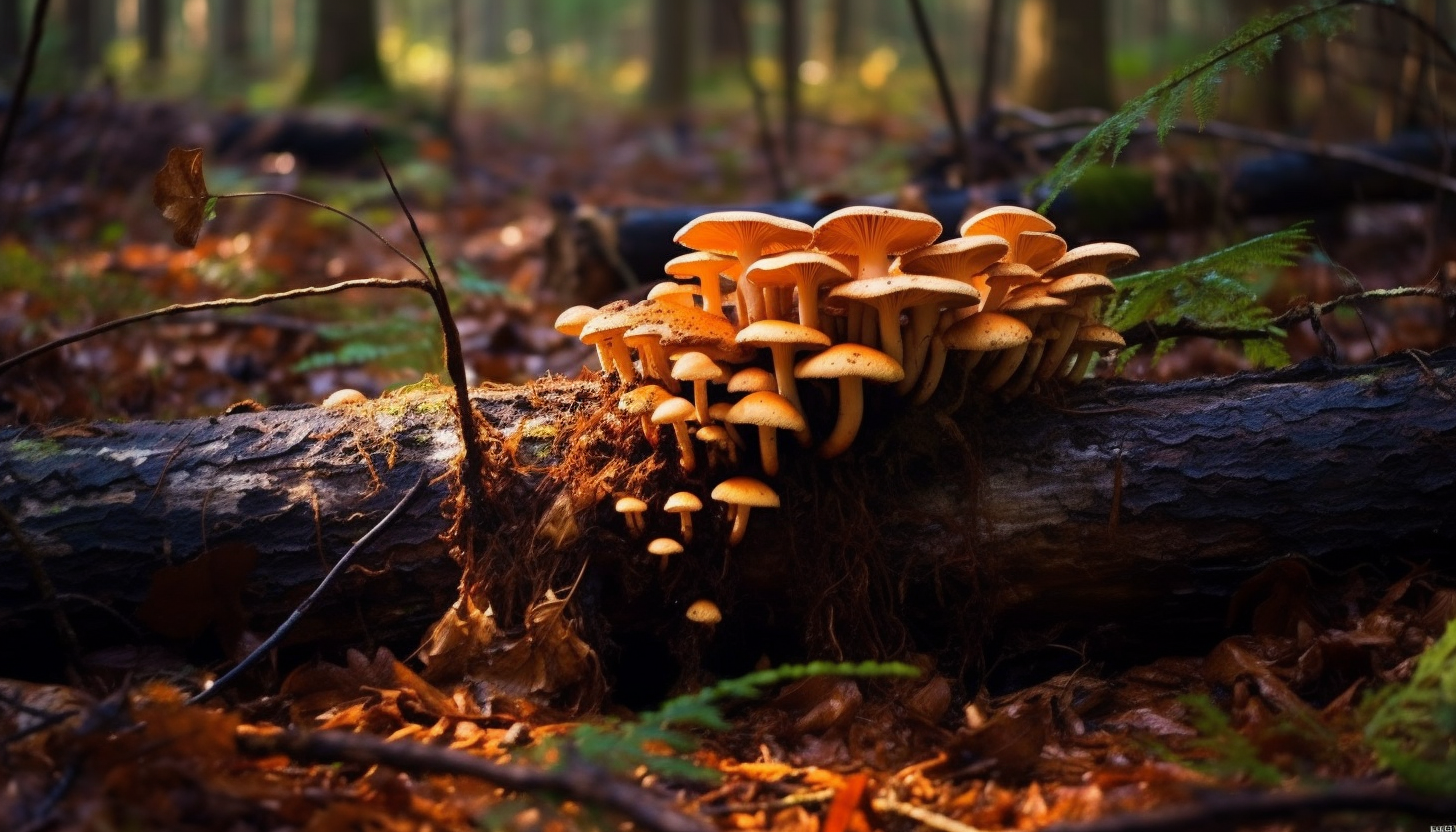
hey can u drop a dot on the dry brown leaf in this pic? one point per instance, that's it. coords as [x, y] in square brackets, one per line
[180, 193]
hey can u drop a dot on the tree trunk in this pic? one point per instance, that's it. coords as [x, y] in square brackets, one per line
[791, 54]
[345, 50]
[81, 47]
[1126, 516]
[12, 43]
[670, 83]
[1062, 59]
[234, 35]
[154, 34]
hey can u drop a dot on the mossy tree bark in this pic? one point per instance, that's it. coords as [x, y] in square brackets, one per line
[1127, 515]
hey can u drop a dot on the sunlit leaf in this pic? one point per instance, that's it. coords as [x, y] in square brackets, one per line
[180, 193]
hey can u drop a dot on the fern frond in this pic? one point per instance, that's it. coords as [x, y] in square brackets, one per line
[1195, 86]
[1205, 291]
[1412, 727]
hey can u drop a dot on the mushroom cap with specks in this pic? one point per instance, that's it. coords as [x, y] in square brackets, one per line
[1006, 222]
[689, 328]
[986, 332]
[853, 229]
[343, 396]
[752, 380]
[698, 263]
[609, 321]
[704, 611]
[1081, 284]
[680, 294]
[842, 360]
[746, 491]
[1032, 298]
[767, 409]
[1098, 337]
[726, 232]
[958, 259]
[1096, 258]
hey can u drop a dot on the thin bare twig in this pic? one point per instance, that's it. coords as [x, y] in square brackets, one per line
[1224, 811]
[272, 641]
[942, 84]
[887, 803]
[1310, 311]
[22, 83]
[472, 468]
[331, 209]
[572, 778]
[221, 303]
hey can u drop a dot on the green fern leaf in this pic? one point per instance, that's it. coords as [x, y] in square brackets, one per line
[1195, 84]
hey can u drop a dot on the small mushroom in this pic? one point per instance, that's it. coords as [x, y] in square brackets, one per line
[704, 612]
[1092, 339]
[346, 396]
[720, 444]
[677, 411]
[851, 364]
[751, 380]
[699, 369]
[742, 494]
[640, 402]
[632, 510]
[664, 548]
[771, 413]
[683, 504]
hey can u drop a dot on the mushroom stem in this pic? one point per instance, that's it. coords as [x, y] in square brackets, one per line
[687, 526]
[604, 358]
[1054, 362]
[1027, 369]
[740, 525]
[685, 444]
[700, 401]
[846, 424]
[923, 320]
[783, 361]
[930, 376]
[768, 450]
[1079, 369]
[891, 343]
[622, 360]
[1002, 371]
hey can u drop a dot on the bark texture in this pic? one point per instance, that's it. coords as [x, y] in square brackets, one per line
[1127, 509]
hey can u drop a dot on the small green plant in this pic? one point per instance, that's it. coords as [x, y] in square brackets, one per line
[1223, 752]
[1196, 84]
[656, 739]
[1208, 292]
[1412, 727]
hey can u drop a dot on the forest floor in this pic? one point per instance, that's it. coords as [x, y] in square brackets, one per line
[1283, 704]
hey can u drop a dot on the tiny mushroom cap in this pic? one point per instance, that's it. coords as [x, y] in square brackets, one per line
[1092, 339]
[706, 266]
[676, 412]
[1097, 258]
[751, 380]
[699, 369]
[347, 395]
[704, 611]
[852, 364]
[1006, 222]
[742, 494]
[874, 235]
[1037, 249]
[987, 332]
[632, 510]
[807, 272]
[747, 235]
[1083, 291]
[771, 413]
[571, 320]
[664, 548]
[717, 439]
[683, 504]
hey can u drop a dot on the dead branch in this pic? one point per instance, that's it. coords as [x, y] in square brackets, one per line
[572, 778]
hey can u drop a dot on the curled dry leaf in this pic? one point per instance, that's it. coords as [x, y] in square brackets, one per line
[180, 193]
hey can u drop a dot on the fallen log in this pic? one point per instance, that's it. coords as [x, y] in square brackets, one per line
[1127, 513]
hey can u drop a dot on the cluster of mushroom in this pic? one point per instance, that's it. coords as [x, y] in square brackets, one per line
[871, 295]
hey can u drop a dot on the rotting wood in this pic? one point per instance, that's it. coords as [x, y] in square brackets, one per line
[1350, 467]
